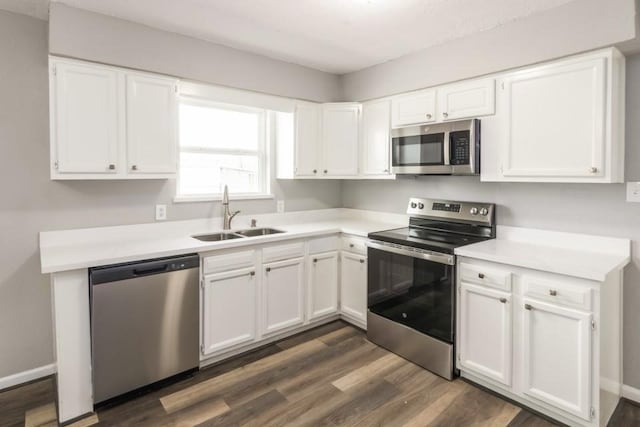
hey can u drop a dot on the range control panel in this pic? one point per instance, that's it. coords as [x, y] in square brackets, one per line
[466, 211]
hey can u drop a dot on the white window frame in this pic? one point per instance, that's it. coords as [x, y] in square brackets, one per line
[262, 152]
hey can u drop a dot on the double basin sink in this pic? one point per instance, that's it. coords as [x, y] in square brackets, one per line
[228, 235]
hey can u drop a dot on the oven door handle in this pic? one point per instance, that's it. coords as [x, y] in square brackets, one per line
[425, 255]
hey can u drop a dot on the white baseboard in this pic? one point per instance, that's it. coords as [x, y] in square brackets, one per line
[631, 393]
[26, 376]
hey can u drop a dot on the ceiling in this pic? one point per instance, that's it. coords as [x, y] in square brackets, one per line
[338, 36]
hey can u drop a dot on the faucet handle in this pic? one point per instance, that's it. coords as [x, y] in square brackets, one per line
[253, 223]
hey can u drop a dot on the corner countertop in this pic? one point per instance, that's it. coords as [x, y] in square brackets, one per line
[91, 247]
[554, 252]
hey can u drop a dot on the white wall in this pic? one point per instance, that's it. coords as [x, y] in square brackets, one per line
[30, 202]
[574, 27]
[95, 37]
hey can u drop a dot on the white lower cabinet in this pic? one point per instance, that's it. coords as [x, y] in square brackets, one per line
[229, 309]
[282, 295]
[353, 286]
[557, 356]
[485, 341]
[549, 341]
[323, 284]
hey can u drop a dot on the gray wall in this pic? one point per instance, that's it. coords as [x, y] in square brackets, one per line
[582, 208]
[95, 37]
[30, 202]
[573, 27]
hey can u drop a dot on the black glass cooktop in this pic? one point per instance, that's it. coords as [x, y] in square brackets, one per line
[426, 239]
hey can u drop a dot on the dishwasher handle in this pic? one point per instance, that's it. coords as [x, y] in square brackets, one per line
[131, 270]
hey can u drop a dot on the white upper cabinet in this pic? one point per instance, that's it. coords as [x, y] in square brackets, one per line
[559, 122]
[111, 123]
[376, 143]
[467, 100]
[152, 123]
[413, 108]
[307, 140]
[85, 135]
[340, 129]
[558, 356]
[485, 332]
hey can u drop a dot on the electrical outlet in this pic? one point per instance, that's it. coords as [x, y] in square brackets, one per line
[280, 206]
[633, 191]
[161, 212]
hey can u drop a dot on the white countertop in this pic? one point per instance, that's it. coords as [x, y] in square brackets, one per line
[91, 247]
[576, 255]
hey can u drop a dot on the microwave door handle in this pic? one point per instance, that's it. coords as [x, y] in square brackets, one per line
[447, 148]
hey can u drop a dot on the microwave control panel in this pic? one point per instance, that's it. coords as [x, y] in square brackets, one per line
[459, 147]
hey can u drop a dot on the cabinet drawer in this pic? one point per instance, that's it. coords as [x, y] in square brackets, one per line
[488, 276]
[354, 244]
[280, 252]
[228, 261]
[557, 292]
[323, 244]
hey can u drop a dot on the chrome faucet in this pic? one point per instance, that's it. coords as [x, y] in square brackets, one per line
[228, 216]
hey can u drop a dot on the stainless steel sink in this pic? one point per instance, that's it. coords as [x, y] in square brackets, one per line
[216, 237]
[253, 232]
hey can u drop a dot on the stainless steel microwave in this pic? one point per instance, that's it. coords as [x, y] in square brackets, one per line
[442, 149]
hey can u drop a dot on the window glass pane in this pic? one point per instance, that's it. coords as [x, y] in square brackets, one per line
[211, 127]
[205, 173]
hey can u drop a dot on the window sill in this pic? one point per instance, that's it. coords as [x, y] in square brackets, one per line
[198, 199]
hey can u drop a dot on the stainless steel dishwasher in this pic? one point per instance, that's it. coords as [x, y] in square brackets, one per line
[144, 323]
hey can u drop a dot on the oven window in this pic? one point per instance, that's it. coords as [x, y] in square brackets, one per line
[411, 291]
[418, 150]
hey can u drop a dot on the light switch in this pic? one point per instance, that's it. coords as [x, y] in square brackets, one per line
[633, 191]
[280, 206]
[161, 212]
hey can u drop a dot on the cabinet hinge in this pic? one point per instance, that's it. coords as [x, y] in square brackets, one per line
[593, 325]
[176, 88]
[502, 85]
[202, 283]
[593, 412]
[459, 357]
[202, 348]
[55, 165]
[54, 70]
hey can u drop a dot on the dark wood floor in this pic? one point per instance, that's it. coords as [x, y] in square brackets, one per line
[328, 376]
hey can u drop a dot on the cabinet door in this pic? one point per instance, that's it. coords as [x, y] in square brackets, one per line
[282, 295]
[553, 123]
[485, 332]
[307, 140]
[323, 284]
[353, 286]
[85, 118]
[419, 107]
[376, 138]
[229, 309]
[340, 125]
[152, 123]
[467, 100]
[557, 356]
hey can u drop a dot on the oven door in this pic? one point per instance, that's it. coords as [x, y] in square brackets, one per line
[419, 153]
[412, 288]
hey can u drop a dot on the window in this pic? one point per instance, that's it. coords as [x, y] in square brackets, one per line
[222, 144]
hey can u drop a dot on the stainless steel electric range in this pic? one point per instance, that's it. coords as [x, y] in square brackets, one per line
[411, 280]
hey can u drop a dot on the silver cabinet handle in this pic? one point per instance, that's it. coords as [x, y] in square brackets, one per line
[528, 307]
[268, 269]
[429, 116]
[594, 170]
[112, 167]
[351, 245]
[553, 292]
[503, 300]
[386, 170]
[325, 171]
[134, 167]
[361, 261]
[481, 275]
[315, 260]
[315, 171]
[445, 115]
[253, 273]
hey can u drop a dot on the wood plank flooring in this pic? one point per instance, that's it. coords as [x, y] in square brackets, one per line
[328, 376]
